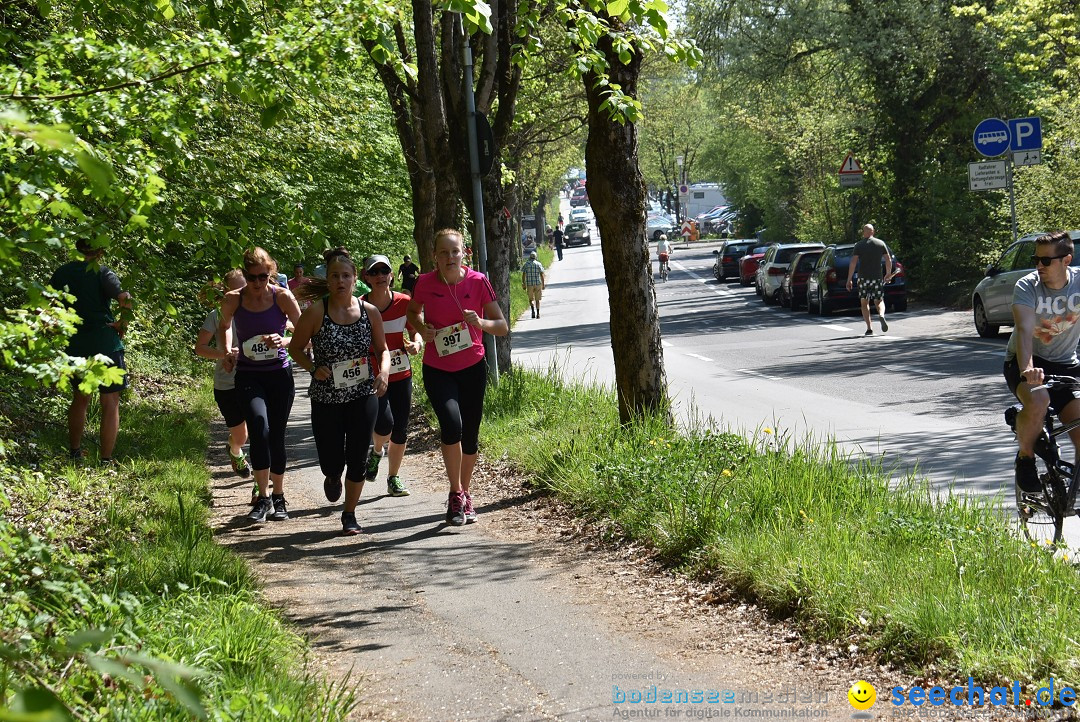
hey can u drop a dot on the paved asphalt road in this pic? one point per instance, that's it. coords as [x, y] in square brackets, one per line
[926, 396]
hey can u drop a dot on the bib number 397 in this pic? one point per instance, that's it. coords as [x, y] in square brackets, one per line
[350, 373]
[452, 339]
[258, 350]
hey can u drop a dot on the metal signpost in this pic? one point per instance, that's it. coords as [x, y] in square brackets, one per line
[1020, 139]
[851, 176]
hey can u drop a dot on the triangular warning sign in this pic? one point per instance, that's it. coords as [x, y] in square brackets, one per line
[850, 165]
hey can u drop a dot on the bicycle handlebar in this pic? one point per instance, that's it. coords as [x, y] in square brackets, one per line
[1051, 380]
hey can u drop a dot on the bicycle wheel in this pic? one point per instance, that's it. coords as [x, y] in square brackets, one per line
[1042, 519]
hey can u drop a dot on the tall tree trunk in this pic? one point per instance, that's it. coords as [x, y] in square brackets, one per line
[541, 217]
[500, 240]
[617, 195]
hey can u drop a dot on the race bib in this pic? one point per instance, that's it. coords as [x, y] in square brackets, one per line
[451, 339]
[258, 350]
[350, 373]
[399, 360]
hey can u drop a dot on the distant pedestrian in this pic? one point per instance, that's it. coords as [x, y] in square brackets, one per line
[452, 308]
[226, 396]
[534, 281]
[867, 257]
[409, 273]
[557, 237]
[344, 331]
[95, 286]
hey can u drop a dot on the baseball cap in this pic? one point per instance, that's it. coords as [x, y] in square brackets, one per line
[532, 255]
[375, 260]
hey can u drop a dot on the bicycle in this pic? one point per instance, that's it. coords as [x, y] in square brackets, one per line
[664, 267]
[1042, 515]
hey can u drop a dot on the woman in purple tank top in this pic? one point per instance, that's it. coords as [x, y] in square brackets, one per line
[260, 312]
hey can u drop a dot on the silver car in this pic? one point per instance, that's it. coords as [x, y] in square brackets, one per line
[991, 302]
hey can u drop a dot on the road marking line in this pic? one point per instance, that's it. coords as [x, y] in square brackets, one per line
[722, 291]
[700, 357]
[752, 372]
[912, 369]
[836, 327]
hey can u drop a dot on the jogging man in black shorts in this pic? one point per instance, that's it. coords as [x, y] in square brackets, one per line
[867, 256]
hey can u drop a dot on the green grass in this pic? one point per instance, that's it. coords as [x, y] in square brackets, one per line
[131, 552]
[804, 531]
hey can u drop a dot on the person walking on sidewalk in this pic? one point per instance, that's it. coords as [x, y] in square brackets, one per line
[392, 421]
[95, 286]
[557, 239]
[452, 308]
[534, 282]
[344, 391]
[225, 393]
[261, 310]
[867, 257]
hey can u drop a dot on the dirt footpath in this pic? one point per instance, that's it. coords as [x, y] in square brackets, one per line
[524, 615]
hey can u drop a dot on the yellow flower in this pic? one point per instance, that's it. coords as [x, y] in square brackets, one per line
[767, 430]
[725, 472]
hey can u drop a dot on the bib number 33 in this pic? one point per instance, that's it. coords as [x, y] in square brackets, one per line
[452, 339]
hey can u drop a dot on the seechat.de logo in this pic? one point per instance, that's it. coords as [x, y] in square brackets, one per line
[862, 696]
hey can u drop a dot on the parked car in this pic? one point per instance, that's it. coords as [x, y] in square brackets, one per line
[774, 265]
[728, 255]
[657, 225]
[576, 234]
[793, 287]
[579, 197]
[991, 301]
[826, 287]
[748, 264]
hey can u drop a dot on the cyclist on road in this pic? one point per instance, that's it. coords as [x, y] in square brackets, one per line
[1046, 308]
[663, 250]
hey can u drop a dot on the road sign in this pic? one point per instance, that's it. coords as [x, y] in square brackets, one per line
[1026, 134]
[687, 229]
[987, 175]
[992, 137]
[850, 166]
[684, 190]
[1027, 157]
[851, 180]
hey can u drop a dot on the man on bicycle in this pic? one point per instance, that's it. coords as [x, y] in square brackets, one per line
[663, 251]
[1046, 308]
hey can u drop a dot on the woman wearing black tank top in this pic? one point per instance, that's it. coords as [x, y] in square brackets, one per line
[343, 331]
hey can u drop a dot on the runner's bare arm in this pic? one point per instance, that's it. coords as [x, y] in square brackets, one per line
[378, 345]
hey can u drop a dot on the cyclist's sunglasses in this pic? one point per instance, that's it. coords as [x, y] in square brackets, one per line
[252, 277]
[1047, 260]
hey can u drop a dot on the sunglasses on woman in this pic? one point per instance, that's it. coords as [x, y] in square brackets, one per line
[379, 271]
[252, 277]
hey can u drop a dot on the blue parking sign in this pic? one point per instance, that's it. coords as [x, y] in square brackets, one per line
[992, 137]
[1026, 134]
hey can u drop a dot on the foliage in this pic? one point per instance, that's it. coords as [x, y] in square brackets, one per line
[179, 133]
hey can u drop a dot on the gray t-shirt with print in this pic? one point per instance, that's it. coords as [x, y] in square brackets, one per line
[1056, 314]
[870, 252]
[223, 380]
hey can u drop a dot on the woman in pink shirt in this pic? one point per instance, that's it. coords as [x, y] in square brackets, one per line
[452, 307]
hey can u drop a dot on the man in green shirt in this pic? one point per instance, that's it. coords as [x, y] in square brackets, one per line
[94, 287]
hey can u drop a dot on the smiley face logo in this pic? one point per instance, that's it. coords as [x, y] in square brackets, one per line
[862, 695]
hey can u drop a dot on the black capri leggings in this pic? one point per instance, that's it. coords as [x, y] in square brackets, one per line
[268, 400]
[458, 400]
[343, 434]
[394, 408]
